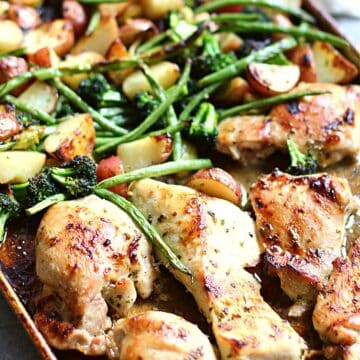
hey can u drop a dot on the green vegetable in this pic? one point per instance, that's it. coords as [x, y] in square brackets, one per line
[274, 100]
[8, 209]
[151, 233]
[240, 65]
[296, 31]
[272, 4]
[168, 168]
[145, 103]
[93, 22]
[301, 164]
[51, 200]
[219, 18]
[16, 52]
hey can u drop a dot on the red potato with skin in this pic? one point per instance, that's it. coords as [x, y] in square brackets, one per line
[45, 57]
[108, 168]
[10, 67]
[76, 14]
[26, 17]
[218, 183]
[302, 56]
[133, 28]
[271, 80]
[9, 126]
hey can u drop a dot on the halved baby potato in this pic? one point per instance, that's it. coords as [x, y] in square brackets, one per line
[331, 66]
[10, 67]
[25, 16]
[233, 92]
[11, 36]
[85, 58]
[272, 79]
[19, 166]
[155, 9]
[165, 72]
[73, 137]
[100, 39]
[302, 56]
[145, 152]
[40, 96]
[216, 182]
[76, 14]
[113, 10]
[57, 35]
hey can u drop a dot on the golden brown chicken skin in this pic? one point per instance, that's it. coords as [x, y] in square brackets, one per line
[328, 123]
[336, 316]
[153, 335]
[89, 254]
[215, 240]
[301, 223]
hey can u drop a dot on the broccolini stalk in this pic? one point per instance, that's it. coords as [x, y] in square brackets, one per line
[42, 205]
[301, 164]
[150, 232]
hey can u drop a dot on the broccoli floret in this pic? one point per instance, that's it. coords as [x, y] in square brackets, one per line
[301, 164]
[77, 177]
[145, 103]
[26, 119]
[63, 108]
[97, 92]
[8, 209]
[203, 128]
[211, 59]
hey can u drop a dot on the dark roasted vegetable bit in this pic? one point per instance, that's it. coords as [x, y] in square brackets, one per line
[145, 103]
[8, 209]
[301, 164]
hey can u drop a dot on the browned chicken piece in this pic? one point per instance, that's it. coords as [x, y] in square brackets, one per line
[89, 254]
[336, 315]
[301, 223]
[215, 240]
[152, 335]
[328, 123]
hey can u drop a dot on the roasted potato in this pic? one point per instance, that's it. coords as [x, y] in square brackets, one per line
[40, 96]
[110, 167]
[272, 79]
[19, 166]
[165, 72]
[10, 67]
[331, 66]
[302, 56]
[26, 17]
[113, 9]
[57, 35]
[229, 41]
[218, 183]
[118, 51]
[45, 57]
[232, 92]
[132, 11]
[145, 152]
[85, 58]
[76, 14]
[11, 37]
[32, 3]
[4, 7]
[9, 126]
[100, 39]
[281, 20]
[155, 9]
[133, 28]
[75, 136]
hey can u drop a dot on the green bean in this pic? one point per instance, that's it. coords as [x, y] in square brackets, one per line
[152, 235]
[16, 52]
[76, 100]
[274, 100]
[148, 45]
[296, 31]
[37, 114]
[273, 4]
[240, 65]
[234, 17]
[15, 82]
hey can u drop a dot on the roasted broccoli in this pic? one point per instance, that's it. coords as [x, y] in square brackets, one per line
[203, 127]
[8, 209]
[211, 58]
[26, 119]
[98, 92]
[301, 164]
[63, 108]
[145, 103]
[77, 177]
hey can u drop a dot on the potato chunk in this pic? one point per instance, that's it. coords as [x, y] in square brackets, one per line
[11, 37]
[72, 137]
[19, 166]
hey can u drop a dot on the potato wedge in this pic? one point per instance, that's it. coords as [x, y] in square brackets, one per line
[9, 126]
[11, 37]
[100, 39]
[232, 92]
[45, 57]
[118, 51]
[331, 66]
[10, 67]
[72, 137]
[40, 96]
[32, 3]
[155, 9]
[57, 35]
[165, 72]
[19, 166]
[272, 79]
[76, 14]
[113, 10]
[302, 56]
[85, 58]
[145, 152]
[216, 182]
[134, 28]
[110, 167]
[229, 41]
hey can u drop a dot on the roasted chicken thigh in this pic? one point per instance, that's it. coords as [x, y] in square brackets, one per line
[328, 123]
[215, 240]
